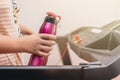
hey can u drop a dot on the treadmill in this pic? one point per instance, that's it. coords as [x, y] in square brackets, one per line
[100, 48]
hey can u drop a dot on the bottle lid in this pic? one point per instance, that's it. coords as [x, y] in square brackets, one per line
[54, 15]
[53, 18]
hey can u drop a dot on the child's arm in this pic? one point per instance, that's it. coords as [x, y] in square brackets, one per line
[26, 30]
[9, 44]
[34, 44]
[3, 0]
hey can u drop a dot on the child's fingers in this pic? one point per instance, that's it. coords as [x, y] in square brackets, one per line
[47, 42]
[40, 53]
[45, 48]
[48, 36]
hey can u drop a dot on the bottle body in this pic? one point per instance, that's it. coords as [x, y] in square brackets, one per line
[49, 26]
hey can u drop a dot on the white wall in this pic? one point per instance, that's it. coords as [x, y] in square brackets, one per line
[74, 13]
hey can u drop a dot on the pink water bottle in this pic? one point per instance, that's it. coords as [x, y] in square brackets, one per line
[49, 27]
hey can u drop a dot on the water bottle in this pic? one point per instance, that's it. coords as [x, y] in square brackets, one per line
[49, 26]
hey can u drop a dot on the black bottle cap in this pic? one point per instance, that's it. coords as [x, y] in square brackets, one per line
[50, 19]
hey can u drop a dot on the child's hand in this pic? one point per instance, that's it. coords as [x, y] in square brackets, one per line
[39, 44]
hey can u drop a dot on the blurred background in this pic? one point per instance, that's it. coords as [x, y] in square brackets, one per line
[74, 13]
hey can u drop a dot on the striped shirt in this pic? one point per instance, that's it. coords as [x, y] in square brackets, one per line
[9, 27]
